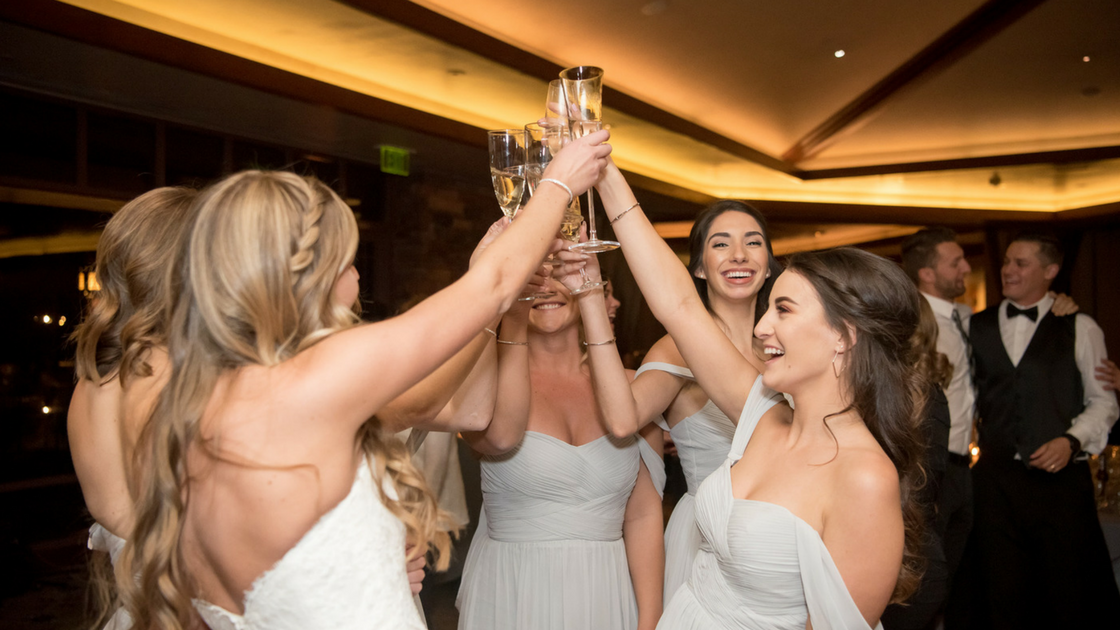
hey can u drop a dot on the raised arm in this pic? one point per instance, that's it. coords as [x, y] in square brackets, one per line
[511, 406]
[608, 377]
[719, 368]
[353, 374]
[437, 402]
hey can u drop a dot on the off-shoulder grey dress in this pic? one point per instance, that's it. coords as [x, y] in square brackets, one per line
[759, 566]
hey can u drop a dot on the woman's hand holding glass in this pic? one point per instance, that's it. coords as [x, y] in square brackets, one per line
[576, 271]
[578, 165]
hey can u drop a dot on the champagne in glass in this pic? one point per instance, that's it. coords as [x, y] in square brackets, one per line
[509, 185]
[507, 167]
[583, 92]
[569, 231]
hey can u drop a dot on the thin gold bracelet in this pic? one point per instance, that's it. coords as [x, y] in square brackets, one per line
[513, 343]
[601, 343]
[492, 332]
[623, 213]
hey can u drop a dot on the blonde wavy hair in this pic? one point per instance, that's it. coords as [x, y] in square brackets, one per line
[125, 318]
[256, 282]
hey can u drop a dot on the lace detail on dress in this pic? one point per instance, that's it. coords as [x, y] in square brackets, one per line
[347, 572]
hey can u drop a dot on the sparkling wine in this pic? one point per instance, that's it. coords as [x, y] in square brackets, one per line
[581, 128]
[509, 184]
[533, 174]
[569, 227]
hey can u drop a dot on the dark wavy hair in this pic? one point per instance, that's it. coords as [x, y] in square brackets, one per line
[698, 237]
[871, 296]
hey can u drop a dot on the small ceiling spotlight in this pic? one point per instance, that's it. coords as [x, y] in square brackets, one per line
[995, 179]
[839, 53]
[1085, 59]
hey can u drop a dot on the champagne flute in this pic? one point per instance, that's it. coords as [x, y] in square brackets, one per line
[569, 231]
[583, 94]
[538, 155]
[507, 167]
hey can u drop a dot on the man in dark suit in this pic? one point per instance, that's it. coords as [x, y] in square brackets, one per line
[1041, 554]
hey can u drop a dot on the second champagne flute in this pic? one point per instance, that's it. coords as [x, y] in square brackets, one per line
[507, 167]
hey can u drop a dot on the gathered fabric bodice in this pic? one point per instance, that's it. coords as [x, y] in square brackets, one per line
[759, 565]
[549, 553]
[348, 571]
[547, 489]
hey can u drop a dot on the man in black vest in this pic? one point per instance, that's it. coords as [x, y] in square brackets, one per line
[1042, 556]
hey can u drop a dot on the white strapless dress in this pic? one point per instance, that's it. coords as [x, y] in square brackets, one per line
[759, 566]
[346, 573]
[549, 553]
[703, 441]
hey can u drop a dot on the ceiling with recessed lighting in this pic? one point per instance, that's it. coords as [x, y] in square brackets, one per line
[998, 105]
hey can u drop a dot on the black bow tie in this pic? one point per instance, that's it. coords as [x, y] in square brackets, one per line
[1030, 313]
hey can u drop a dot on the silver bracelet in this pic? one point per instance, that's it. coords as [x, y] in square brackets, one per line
[623, 213]
[561, 184]
[513, 343]
[601, 343]
[492, 332]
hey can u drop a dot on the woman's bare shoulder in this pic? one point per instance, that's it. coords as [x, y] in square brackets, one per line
[665, 351]
[865, 475]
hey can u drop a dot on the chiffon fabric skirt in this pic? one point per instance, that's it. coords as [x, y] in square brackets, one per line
[549, 552]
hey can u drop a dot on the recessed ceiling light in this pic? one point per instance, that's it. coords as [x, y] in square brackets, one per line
[1085, 59]
[839, 53]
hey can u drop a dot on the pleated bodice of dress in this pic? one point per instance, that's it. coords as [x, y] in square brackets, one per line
[549, 553]
[759, 565]
[703, 440]
[547, 489]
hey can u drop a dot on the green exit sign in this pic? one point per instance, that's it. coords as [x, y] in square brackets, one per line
[394, 160]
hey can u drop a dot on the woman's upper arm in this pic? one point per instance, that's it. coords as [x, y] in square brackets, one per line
[359, 370]
[722, 372]
[864, 533]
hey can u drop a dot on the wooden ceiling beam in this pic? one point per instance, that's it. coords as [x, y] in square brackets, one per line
[970, 33]
[105, 32]
[443, 28]
[1067, 156]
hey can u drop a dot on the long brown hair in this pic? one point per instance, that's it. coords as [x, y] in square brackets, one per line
[934, 366]
[873, 297]
[125, 318]
[256, 283]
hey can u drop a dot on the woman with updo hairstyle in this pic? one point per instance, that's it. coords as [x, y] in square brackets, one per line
[812, 520]
[264, 492]
[732, 265]
[121, 366]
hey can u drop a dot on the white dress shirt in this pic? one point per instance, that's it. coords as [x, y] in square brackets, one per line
[961, 392]
[1101, 409]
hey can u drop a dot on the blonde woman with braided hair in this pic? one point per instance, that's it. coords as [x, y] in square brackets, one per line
[265, 494]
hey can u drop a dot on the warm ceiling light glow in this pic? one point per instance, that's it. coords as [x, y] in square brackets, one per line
[1085, 59]
[839, 53]
[393, 63]
[62, 321]
[46, 319]
[46, 409]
